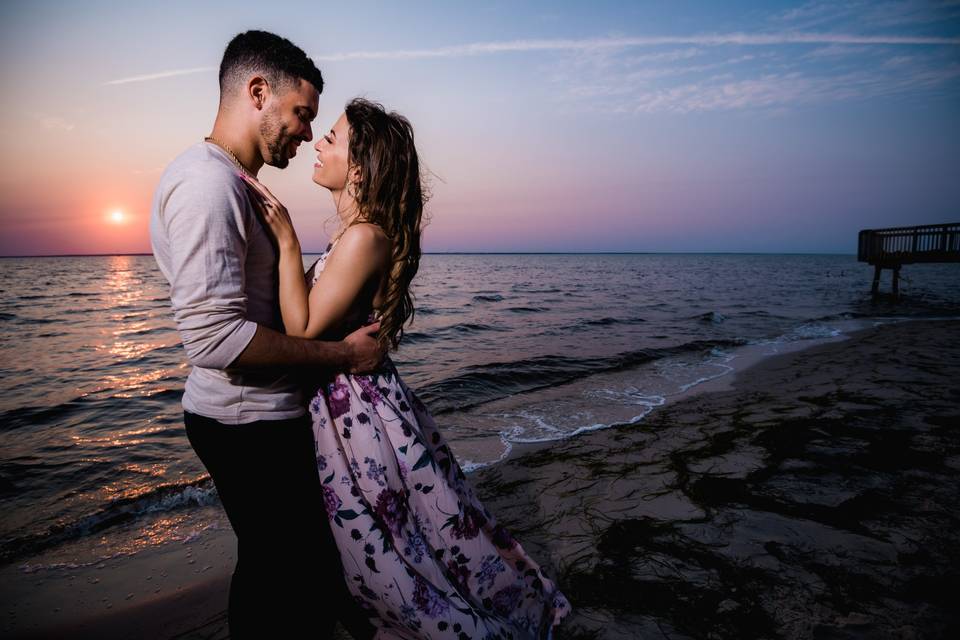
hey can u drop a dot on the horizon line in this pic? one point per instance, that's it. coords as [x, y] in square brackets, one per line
[485, 253]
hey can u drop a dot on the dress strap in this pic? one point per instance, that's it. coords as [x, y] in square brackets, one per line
[331, 245]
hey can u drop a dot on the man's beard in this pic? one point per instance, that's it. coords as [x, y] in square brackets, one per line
[278, 142]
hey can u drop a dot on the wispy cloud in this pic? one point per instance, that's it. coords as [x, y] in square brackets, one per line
[867, 14]
[628, 77]
[161, 74]
[692, 77]
[595, 44]
[589, 44]
[777, 90]
[836, 51]
[55, 123]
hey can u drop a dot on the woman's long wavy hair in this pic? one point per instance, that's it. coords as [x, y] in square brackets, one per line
[389, 193]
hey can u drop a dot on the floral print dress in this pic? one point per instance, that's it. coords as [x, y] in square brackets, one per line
[420, 552]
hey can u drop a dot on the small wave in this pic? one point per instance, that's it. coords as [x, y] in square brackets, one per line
[488, 298]
[478, 384]
[836, 324]
[34, 416]
[472, 327]
[722, 358]
[170, 393]
[418, 337]
[523, 289]
[843, 315]
[526, 309]
[174, 347]
[469, 466]
[714, 317]
[603, 322]
[163, 498]
[805, 331]
[147, 331]
[461, 329]
[809, 331]
[543, 431]
[97, 400]
[22, 320]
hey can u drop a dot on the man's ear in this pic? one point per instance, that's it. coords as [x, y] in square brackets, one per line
[258, 90]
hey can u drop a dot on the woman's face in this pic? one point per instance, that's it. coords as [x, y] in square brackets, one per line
[330, 169]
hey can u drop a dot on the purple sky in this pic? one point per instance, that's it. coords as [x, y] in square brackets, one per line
[615, 127]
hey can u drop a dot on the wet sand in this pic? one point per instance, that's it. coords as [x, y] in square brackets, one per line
[814, 498]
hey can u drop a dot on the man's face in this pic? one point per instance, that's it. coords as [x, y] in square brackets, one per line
[286, 122]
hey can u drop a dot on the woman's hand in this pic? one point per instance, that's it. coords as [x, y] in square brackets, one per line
[274, 215]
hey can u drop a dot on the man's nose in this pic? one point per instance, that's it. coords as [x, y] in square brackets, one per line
[309, 135]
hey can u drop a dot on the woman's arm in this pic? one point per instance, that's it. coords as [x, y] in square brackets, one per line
[293, 289]
[292, 286]
[352, 273]
[353, 270]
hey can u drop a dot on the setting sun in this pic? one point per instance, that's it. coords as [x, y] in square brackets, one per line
[117, 217]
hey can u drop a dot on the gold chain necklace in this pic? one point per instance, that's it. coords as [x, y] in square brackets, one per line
[230, 152]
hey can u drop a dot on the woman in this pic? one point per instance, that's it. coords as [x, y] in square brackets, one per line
[421, 553]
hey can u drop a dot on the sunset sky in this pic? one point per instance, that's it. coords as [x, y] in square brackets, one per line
[648, 126]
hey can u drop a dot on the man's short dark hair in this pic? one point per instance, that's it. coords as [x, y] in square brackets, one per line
[280, 61]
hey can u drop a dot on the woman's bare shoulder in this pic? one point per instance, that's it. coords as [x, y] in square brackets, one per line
[363, 241]
[366, 233]
[365, 237]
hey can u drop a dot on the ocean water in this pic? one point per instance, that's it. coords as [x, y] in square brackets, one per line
[503, 349]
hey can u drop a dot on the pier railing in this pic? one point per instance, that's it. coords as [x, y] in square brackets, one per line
[895, 246]
[906, 245]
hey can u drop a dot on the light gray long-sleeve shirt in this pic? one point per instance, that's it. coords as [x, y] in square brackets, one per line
[222, 270]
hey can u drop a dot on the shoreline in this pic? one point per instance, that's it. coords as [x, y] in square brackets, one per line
[814, 498]
[751, 365]
[163, 591]
[629, 519]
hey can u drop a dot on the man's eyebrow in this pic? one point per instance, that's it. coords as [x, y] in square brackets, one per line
[309, 111]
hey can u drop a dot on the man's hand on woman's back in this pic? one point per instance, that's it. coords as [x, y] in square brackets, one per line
[364, 352]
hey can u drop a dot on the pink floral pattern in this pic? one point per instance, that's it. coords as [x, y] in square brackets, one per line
[421, 554]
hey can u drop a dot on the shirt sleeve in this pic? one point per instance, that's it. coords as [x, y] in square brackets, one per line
[204, 220]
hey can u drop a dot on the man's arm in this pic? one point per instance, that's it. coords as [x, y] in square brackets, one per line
[204, 224]
[356, 353]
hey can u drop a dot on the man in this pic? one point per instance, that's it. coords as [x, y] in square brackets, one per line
[243, 410]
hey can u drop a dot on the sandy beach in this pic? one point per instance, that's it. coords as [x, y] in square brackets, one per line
[815, 497]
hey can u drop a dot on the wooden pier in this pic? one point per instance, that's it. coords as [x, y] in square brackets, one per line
[896, 246]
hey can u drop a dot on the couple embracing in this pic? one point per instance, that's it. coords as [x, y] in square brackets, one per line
[345, 498]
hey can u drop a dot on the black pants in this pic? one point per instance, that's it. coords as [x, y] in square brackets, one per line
[288, 575]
